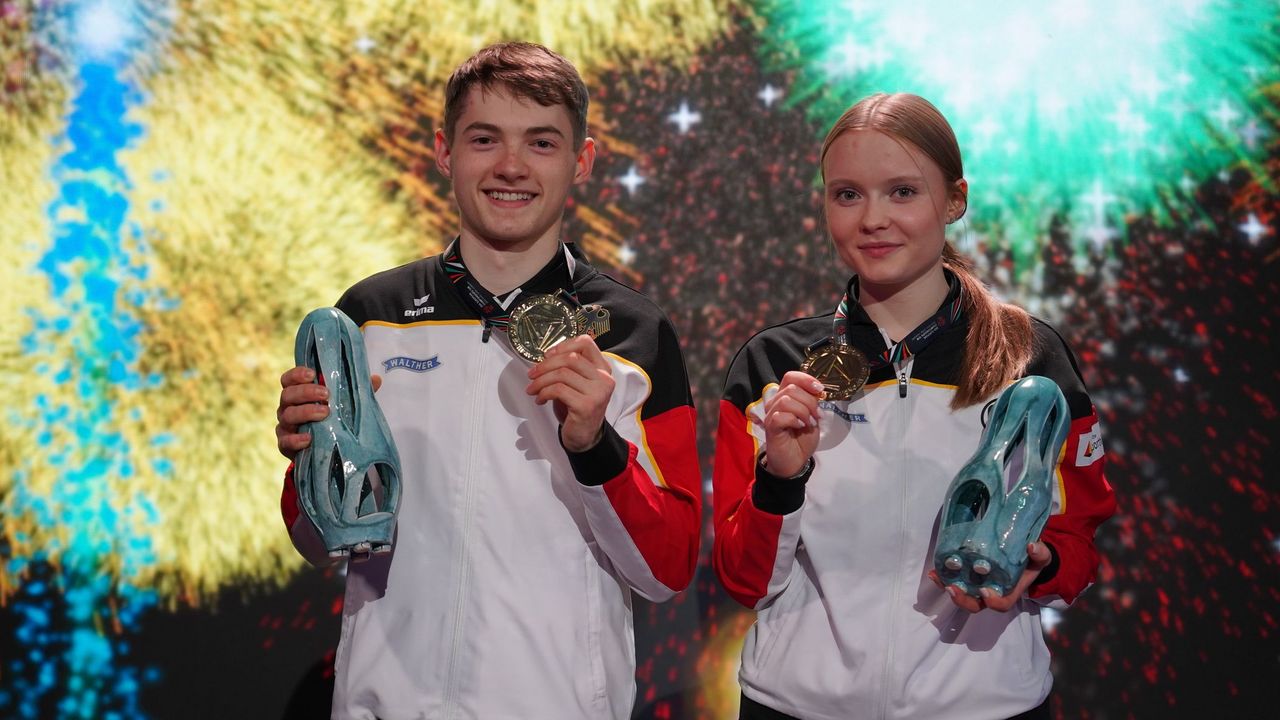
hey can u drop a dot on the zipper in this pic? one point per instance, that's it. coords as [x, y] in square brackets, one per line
[464, 546]
[886, 684]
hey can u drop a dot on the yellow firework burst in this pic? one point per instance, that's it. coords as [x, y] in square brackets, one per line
[286, 153]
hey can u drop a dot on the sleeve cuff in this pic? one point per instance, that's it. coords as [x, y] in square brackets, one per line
[779, 495]
[1050, 570]
[603, 462]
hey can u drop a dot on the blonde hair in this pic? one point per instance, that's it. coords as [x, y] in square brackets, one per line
[1000, 341]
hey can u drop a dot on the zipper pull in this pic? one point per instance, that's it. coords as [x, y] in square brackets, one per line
[487, 330]
[902, 384]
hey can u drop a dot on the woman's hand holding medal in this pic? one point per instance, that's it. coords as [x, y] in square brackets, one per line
[791, 420]
[576, 378]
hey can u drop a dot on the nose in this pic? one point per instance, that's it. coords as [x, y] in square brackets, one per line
[512, 166]
[875, 215]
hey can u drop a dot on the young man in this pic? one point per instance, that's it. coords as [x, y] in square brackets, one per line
[536, 496]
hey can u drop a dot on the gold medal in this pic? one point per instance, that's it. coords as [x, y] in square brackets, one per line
[541, 322]
[841, 369]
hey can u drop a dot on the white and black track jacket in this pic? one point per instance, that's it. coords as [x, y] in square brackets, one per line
[508, 591]
[848, 624]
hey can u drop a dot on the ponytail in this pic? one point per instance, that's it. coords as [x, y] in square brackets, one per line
[1000, 342]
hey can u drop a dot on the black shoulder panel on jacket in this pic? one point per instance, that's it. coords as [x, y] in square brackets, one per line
[1053, 359]
[770, 354]
[641, 333]
[414, 292]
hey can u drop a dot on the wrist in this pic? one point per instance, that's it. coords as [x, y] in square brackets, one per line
[779, 495]
[805, 468]
[572, 446]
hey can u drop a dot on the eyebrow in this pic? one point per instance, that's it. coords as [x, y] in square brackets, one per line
[536, 130]
[895, 180]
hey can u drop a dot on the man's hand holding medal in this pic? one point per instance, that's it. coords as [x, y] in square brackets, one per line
[569, 370]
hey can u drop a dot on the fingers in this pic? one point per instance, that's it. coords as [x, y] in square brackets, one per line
[302, 400]
[576, 363]
[297, 376]
[1038, 555]
[795, 405]
[578, 375]
[803, 381]
[965, 601]
[289, 442]
[583, 346]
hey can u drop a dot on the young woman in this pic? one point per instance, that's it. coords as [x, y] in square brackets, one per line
[827, 509]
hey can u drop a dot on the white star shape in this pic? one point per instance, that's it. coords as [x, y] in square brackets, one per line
[1251, 133]
[626, 255]
[769, 94]
[1225, 114]
[684, 118]
[632, 180]
[1253, 229]
[1098, 199]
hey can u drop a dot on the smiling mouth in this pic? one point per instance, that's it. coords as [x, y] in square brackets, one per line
[509, 196]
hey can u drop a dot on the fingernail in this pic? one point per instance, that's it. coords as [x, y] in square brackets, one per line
[813, 422]
[816, 386]
[324, 393]
[309, 375]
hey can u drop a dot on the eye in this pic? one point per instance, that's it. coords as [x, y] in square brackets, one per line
[845, 195]
[904, 192]
[482, 140]
[543, 144]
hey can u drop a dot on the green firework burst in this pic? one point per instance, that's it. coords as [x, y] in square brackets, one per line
[1087, 108]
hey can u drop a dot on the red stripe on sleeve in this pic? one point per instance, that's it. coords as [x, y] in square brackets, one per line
[663, 522]
[1087, 501]
[746, 540]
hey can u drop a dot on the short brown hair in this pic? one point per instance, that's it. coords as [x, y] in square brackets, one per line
[527, 70]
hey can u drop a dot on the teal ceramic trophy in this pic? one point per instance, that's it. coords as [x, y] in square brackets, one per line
[1000, 499]
[348, 479]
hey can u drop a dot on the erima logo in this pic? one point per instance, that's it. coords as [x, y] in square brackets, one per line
[847, 417]
[418, 307]
[411, 364]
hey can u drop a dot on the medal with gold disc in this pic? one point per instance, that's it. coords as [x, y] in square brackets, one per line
[541, 322]
[841, 369]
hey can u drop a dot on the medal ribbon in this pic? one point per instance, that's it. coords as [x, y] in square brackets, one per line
[481, 300]
[917, 339]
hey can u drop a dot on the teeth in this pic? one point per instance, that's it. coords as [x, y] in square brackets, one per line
[510, 196]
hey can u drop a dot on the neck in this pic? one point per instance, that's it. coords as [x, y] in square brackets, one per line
[501, 268]
[900, 309]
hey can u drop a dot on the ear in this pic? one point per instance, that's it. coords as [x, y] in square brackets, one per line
[958, 201]
[444, 158]
[585, 161]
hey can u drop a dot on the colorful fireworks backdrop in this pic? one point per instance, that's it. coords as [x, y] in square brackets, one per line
[181, 180]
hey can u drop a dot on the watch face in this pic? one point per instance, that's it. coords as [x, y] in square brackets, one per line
[540, 323]
[841, 369]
